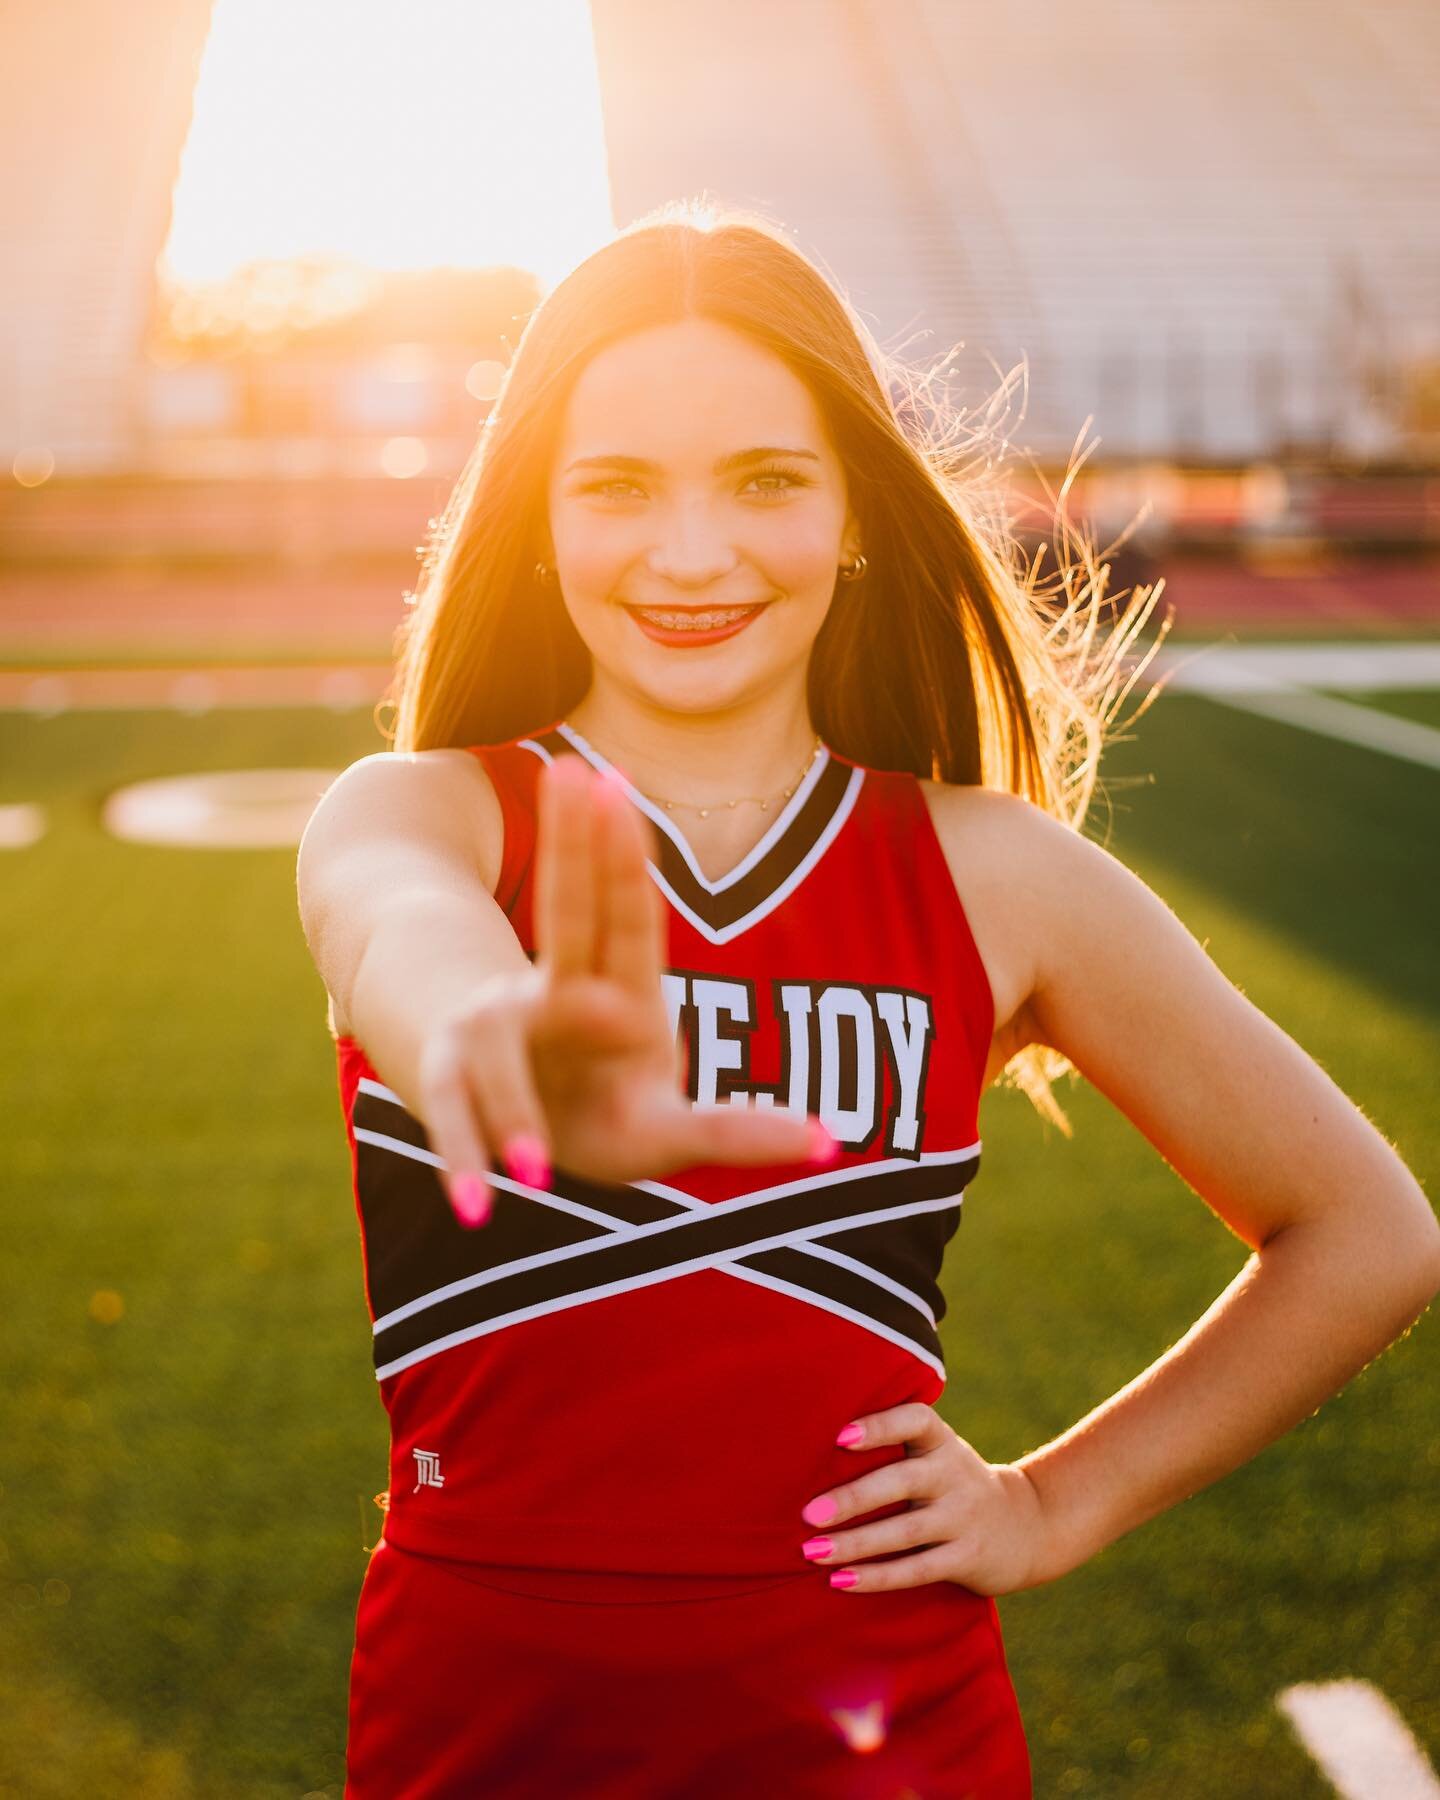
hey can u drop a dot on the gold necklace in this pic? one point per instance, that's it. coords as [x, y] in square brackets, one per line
[763, 801]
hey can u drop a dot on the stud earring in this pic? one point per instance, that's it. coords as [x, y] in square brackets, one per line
[853, 571]
[542, 573]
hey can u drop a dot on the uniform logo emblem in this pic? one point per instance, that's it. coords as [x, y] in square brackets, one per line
[428, 1468]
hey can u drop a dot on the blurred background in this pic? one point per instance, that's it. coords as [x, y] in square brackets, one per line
[265, 265]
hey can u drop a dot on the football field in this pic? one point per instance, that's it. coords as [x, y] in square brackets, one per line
[191, 1429]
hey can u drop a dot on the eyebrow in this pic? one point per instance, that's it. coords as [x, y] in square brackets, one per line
[733, 461]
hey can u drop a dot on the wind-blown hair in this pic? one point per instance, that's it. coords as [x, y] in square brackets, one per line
[950, 657]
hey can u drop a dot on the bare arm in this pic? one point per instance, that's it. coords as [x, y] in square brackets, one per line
[395, 879]
[503, 1061]
[1347, 1248]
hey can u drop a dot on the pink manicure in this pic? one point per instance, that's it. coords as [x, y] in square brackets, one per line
[526, 1160]
[819, 1512]
[470, 1197]
[816, 1547]
[565, 771]
[824, 1149]
[852, 1434]
[843, 1578]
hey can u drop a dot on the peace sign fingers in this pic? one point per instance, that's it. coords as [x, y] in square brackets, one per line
[632, 927]
[567, 925]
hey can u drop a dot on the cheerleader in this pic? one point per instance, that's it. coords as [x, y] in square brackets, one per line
[727, 852]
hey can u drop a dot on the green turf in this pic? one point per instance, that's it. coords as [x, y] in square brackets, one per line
[1151, 1670]
[186, 1491]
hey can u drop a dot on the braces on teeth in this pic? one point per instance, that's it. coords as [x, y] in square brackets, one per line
[705, 621]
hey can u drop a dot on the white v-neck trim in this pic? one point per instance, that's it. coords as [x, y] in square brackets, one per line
[784, 819]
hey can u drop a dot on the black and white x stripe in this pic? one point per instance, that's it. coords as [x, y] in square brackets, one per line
[864, 1243]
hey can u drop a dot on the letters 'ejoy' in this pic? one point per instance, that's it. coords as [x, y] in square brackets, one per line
[836, 1039]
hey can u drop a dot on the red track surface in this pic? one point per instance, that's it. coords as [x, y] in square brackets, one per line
[181, 614]
[1340, 598]
[157, 619]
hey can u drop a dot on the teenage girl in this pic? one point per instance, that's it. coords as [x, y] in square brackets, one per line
[728, 851]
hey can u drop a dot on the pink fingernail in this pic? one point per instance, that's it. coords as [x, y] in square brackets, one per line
[819, 1512]
[843, 1578]
[824, 1149]
[816, 1546]
[470, 1197]
[852, 1434]
[526, 1160]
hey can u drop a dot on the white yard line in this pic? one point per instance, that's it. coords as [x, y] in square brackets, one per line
[1344, 720]
[1225, 668]
[1364, 1747]
[1274, 680]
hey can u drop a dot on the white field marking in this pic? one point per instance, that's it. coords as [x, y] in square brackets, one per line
[232, 809]
[194, 692]
[21, 825]
[1401, 663]
[1343, 719]
[1268, 679]
[47, 696]
[1359, 1740]
[1248, 668]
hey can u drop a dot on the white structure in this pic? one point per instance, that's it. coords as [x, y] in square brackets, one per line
[94, 108]
[1202, 225]
[1214, 229]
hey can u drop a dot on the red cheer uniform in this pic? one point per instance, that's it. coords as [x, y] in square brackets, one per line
[609, 1403]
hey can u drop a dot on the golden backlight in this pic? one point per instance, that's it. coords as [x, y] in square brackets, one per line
[442, 132]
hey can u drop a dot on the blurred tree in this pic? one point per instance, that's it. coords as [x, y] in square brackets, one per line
[329, 306]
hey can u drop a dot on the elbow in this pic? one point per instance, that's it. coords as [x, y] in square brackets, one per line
[1424, 1254]
[1412, 1232]
[1432, 1280]
[1390, 1251]
[1418, 1269]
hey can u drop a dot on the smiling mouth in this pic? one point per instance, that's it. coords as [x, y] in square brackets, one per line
[693, 618]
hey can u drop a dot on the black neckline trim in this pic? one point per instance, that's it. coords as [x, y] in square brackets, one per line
[722, 908]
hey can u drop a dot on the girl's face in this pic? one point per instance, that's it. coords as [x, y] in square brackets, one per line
[694, 477]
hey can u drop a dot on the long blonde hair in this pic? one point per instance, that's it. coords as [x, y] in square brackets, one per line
[952, 657]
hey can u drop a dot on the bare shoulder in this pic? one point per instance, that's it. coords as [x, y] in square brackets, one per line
[443, 796]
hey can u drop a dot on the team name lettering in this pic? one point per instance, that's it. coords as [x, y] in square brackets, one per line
[838, 1040]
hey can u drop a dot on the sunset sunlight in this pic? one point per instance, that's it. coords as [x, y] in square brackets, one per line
[627, 628]
[436, 134]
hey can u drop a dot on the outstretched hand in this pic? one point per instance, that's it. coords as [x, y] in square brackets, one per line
[574, 1059]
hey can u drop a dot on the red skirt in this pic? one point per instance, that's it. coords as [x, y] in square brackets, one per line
[520, 1684]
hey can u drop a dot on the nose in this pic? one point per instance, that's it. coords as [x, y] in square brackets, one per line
[691, 551]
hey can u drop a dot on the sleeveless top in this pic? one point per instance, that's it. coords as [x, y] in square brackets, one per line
[649, 1377]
